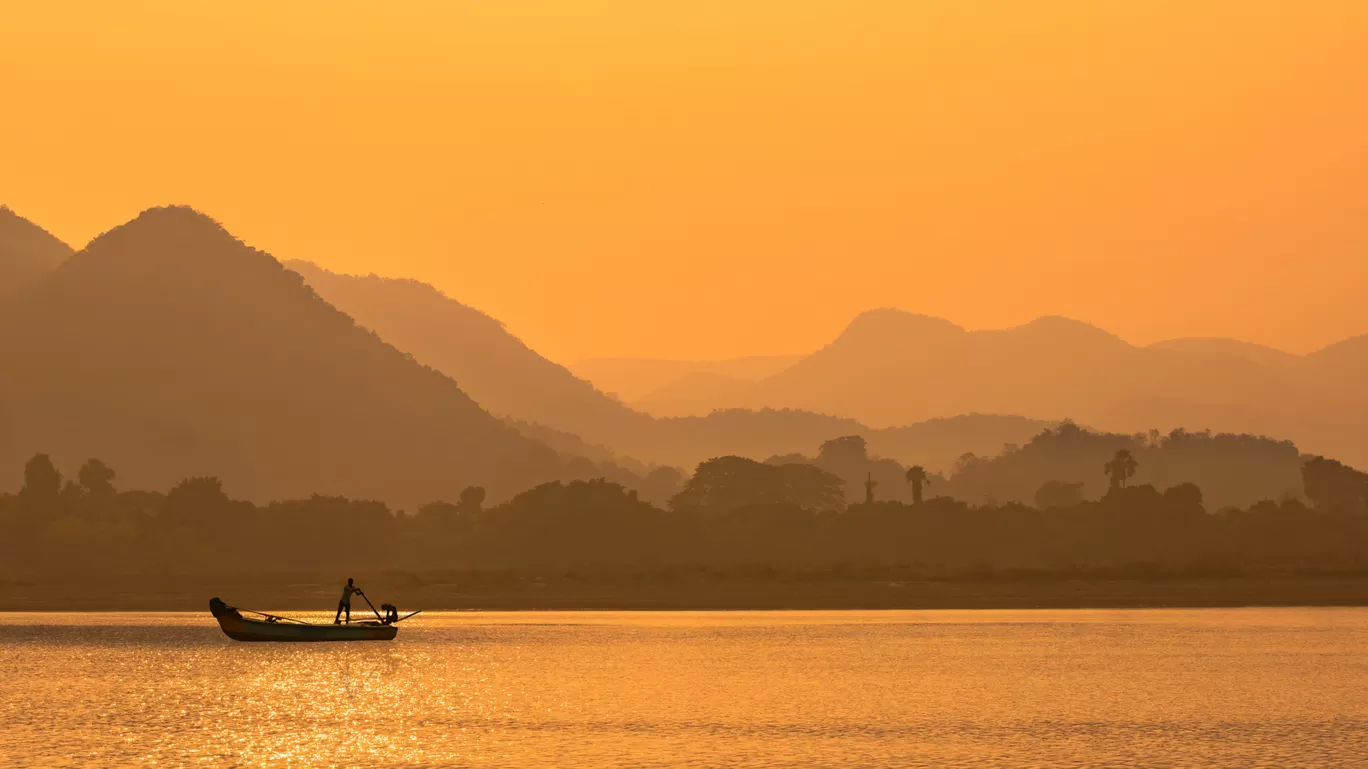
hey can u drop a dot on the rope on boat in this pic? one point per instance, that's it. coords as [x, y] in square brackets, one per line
[277, 617]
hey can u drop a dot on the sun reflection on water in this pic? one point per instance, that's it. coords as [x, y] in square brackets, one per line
[1196, 688]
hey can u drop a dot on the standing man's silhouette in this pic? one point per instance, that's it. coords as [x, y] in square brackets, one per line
[344, 605]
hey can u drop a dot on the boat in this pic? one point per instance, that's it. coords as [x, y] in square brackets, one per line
[273, 627]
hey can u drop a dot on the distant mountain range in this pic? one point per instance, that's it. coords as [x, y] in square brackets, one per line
[891, 367]
[643, 381]
[169, 348]
[510, 379]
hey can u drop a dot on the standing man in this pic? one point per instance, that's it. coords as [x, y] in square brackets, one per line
[344, 605]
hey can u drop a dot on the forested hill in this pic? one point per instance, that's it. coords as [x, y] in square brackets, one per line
[27, 251]
[171, 349]
[490, 364]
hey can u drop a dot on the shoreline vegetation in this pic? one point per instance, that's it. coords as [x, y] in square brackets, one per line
[739, 534]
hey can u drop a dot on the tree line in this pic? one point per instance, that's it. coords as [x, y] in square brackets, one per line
[731, 512]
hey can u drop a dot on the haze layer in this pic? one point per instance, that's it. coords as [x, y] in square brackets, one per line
[710, 179]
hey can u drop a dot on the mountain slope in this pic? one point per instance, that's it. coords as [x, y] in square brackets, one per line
[27, 251]
[1267, 357]
[694, 394]
[891, 367]
[1341, 368]
[507, 377]
[635, 380]
[1338, 375]
[493, 366]
[169, 348]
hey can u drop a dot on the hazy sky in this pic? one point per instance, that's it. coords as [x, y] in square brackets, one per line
[725, 177]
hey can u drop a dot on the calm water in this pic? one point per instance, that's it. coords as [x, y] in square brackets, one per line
[1260, 687]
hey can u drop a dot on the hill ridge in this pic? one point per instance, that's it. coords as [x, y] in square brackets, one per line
[27, 251]
[211, 357]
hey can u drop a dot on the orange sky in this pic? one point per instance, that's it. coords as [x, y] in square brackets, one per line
[726, 177]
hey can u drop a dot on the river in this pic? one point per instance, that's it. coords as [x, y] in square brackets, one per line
[1189, 688]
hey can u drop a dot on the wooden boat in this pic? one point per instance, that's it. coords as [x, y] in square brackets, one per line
[271, 627]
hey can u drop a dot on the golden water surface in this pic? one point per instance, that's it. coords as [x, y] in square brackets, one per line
[1219, 688]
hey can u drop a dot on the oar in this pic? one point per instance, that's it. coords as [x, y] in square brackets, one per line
[368, 603]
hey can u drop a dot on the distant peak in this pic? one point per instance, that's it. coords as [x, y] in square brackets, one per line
[177, 215]
[22, 241]
[10, 219]
[892, 320]
[1059, 325]
[1059, 321]
[174, 225]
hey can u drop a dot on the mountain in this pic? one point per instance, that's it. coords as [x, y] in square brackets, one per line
[895, 370]
[641, 381]
[493, 366]
[1338, 375]
[547, 402]
[760, 433]
[1341, 369]
[1258, 354]
[694, 394]
[891, 367]
[27, 251]
[168, 348]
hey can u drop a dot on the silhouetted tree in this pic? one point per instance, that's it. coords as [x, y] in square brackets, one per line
[847, 448]
[917, 477]
[97, 478]
[660, 484]
[869, 485]
[582, 522]
[71, 497]
[1059, 495]
[1120, 468]
[195, 501]
[438, 512]
[471, 501]
[847, 458]
[42, 487]
[1184, 498]
[729, 483]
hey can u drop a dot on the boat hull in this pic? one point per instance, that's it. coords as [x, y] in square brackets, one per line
[241, 629]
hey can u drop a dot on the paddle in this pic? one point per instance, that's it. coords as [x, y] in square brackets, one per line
[368, 603]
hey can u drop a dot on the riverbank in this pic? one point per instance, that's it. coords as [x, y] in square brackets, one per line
[495, 591]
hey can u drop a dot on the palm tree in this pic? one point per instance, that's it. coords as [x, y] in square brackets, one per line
[869, 485]
[916, 475]
[1120, 468]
